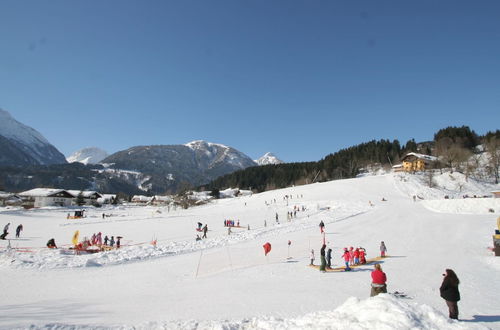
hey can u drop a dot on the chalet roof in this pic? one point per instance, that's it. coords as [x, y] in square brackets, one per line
[141, 198]
[43, 192]
[6, 195]
[421, 156]
[85, 193]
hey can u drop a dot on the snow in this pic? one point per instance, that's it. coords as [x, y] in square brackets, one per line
[89, 155]
[268, 159]
[12, 129]
[226, 282]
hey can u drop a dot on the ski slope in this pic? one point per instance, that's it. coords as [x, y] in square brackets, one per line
[226, 282]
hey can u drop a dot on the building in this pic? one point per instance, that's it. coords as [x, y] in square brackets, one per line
[9, 199]
[89, 197]
[161, 200]
[496, 194]
[40, 197]
[414, 162]
[141, 200]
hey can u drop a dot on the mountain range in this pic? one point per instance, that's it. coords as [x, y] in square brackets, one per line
[154, 169]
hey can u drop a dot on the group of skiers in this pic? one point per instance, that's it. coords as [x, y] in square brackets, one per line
[19, 228]
[230, 223]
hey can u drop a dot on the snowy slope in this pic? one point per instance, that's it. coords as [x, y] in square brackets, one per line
[268, 159]
[27, 141]
[226, 282]
[90, 155]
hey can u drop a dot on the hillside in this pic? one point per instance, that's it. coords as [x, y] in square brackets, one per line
[185, 284]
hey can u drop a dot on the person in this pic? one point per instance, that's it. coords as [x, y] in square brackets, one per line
[18, 230]
[106, 239]
[379, 280]
[383, 249]
[329, 258]
[322, 268]
[347, 257]
[351, 256]
[198, 238]
[51, 244]
[356, 256]
[118, 244]
[6, 229]
[449, 292]
[312, 257]
[321, 226]
[201, 225]
[229, 230]
[362, 255]
[112, 241]
[205, 229]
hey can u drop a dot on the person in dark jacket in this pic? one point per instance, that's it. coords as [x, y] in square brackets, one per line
[449, 292]
[329, 258]
[322, 268]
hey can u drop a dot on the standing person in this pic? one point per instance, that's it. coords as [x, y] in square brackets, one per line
[205, 229]
[6, 229]
[118, 244]
[362, 255]
[356, 256]
[106, 239]
[112, 241]
[379, 280]
[449, 292]
[351, 256]
[346, 257]
[18, 230]
[321, 226]
[383, 249]
[329, 258]
[322, 268]
[312, 257]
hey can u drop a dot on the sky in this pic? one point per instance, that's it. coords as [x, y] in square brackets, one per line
[301, 79]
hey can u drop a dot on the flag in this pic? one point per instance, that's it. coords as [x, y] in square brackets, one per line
[75, 237]
[267, 248]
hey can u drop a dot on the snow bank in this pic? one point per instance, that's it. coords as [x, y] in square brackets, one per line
[381, 312]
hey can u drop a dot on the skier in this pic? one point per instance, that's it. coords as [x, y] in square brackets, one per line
[356, 256]
[362, 256]
[383, 249]
[112, 241]
[312, 257]
[346, 257]
[329, 258]
[106, 239]
[198, 238]
[18, 230]
[322, 268]
[205, 229]
[6, 229]
[321, 226]
[118, 244]
[200, 225]
[449, 292]
[378, 281]
[351, 256]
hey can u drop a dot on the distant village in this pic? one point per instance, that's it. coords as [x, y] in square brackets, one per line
[44, 197]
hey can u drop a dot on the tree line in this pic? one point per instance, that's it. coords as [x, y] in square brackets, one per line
[456, 148]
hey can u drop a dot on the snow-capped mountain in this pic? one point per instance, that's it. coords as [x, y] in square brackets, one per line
[172, 167]
[90, 155]
[268, 159]
[23, 145]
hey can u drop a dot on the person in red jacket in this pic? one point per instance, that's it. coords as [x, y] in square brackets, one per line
[347, 257]
[378, 281]
[362, 256]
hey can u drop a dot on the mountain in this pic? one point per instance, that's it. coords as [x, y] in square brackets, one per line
[91, 155]
[22, 145]
[174, 167]
[268, 159]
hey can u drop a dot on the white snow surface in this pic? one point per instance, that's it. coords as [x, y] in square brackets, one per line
[268, 158]
[89, 155]
[12, 129]
[226, 282]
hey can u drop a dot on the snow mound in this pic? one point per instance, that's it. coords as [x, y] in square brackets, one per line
[381, 312]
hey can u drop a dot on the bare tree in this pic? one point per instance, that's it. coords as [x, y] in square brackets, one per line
[492, 146]
[452, 154]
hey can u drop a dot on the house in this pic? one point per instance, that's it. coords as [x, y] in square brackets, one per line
[161, 200]
[106, 199]
[414, 162]
[141, 200]
[9, 199]
[89, 197]
[40, 197]
[496, 194]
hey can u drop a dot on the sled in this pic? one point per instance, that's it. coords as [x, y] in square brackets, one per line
[342, 269]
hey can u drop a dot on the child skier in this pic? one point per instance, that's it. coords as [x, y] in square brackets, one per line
[347, 257]
[312, 257]
[383, 249]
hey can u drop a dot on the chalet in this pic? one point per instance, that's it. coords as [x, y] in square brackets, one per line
[496, 194]
[414, 162]
[9, 199]
[40, 197]
[161, 200]
[141, 200]
[89, 197]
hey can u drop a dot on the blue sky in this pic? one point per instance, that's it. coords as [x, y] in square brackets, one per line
[301, 79]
